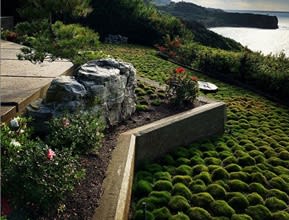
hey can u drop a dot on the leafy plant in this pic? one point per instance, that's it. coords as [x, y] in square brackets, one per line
[182, 88]
[33, 176]
[81, 132]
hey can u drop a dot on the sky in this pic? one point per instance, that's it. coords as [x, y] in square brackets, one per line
[266, 5]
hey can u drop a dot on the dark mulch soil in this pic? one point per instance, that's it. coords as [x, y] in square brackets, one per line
[85, 198]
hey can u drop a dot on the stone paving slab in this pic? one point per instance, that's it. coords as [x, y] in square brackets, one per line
[21, 81]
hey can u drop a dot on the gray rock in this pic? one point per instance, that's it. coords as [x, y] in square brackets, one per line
[107, 85]
[113, 83]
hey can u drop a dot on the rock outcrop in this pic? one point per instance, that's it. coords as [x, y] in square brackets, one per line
[105, 85]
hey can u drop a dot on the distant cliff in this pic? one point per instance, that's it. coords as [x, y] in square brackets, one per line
[217, 18]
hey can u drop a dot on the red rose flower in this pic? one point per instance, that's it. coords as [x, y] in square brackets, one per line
[194, 78]
[180, 70]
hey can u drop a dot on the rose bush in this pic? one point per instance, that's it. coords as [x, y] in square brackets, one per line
[182, 88]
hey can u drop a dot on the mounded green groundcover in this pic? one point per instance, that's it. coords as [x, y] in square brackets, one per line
[241, 175]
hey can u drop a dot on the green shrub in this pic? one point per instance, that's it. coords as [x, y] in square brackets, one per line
[162, 213]
[280, 215]
[162, 196]
[197, 169]
[81, 131]
[239, 202]
[259, 177]
[233, 168]
[163, 185]
[238, 185]
[246, 161]
[184, 170]
[180, 216]
[182, 179]
[153, 167]
[182, 88]
[275, 204]
[181, 189]
[259, 212]
[43, 174]
[202, 199]
[163, 176]
[210, 154]
[195, 160]
[230, 160]
[220, 174]
[259, 159]
[212, 161]
[279, 183]
[143, 188]
[169, 160]
[223, 184]
[197, 213]
[239, 175]
[213, 167]
[225, 154]
[259, 188]
[205, 176]
[217, 191]
[278, 194]
[151, 203]
[197, 188]
[179, 203]
[139, 215]
[144, 175]
[255, 199]
[183, 161]
[241, 217]
[221, 208]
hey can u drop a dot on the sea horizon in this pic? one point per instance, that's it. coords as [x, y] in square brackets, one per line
[266, 41]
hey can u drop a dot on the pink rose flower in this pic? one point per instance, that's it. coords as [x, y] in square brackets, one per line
[50, 154]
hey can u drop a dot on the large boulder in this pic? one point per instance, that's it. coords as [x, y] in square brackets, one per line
[113, 83]
[107, 85]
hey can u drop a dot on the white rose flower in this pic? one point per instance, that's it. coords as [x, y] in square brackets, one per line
[14, 123]
[15, 143]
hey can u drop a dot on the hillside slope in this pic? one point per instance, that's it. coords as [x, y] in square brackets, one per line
[215, 17]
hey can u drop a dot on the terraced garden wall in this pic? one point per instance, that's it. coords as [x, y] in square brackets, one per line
[148, 143]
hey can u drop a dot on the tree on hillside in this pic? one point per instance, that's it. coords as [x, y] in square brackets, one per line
[54, 9]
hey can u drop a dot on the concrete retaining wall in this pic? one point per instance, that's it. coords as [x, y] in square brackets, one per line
[148, 143]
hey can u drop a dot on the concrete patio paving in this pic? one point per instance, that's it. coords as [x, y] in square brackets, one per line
[22, 82]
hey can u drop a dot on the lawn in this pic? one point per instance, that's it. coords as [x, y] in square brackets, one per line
[244, 174]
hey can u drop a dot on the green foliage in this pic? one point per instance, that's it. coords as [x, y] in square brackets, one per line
[179, 203]
[275, 204]
[163, 185]
[45, 41]
[217, 191]
[255, 199]
[182, 88]
[221, 208]
[143, 187]
[82, 132]
[162, 213]
[43, 174]
[182, 179]
[259, 188]
[163, 176]
[220, 174]
[180, 216]
[241, 217]
[280, 215]
[202, 199]
[259, 212]
[181, 189]
[162, 196]
[238, 185]
[49, 9]
[139, 215]
[239, 202]
[278, 194]
[184, 170]
[198, 213]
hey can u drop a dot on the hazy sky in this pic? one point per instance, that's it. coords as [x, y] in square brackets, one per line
[274, 5]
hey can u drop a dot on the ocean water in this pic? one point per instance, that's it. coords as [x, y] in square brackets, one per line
[265, 40]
